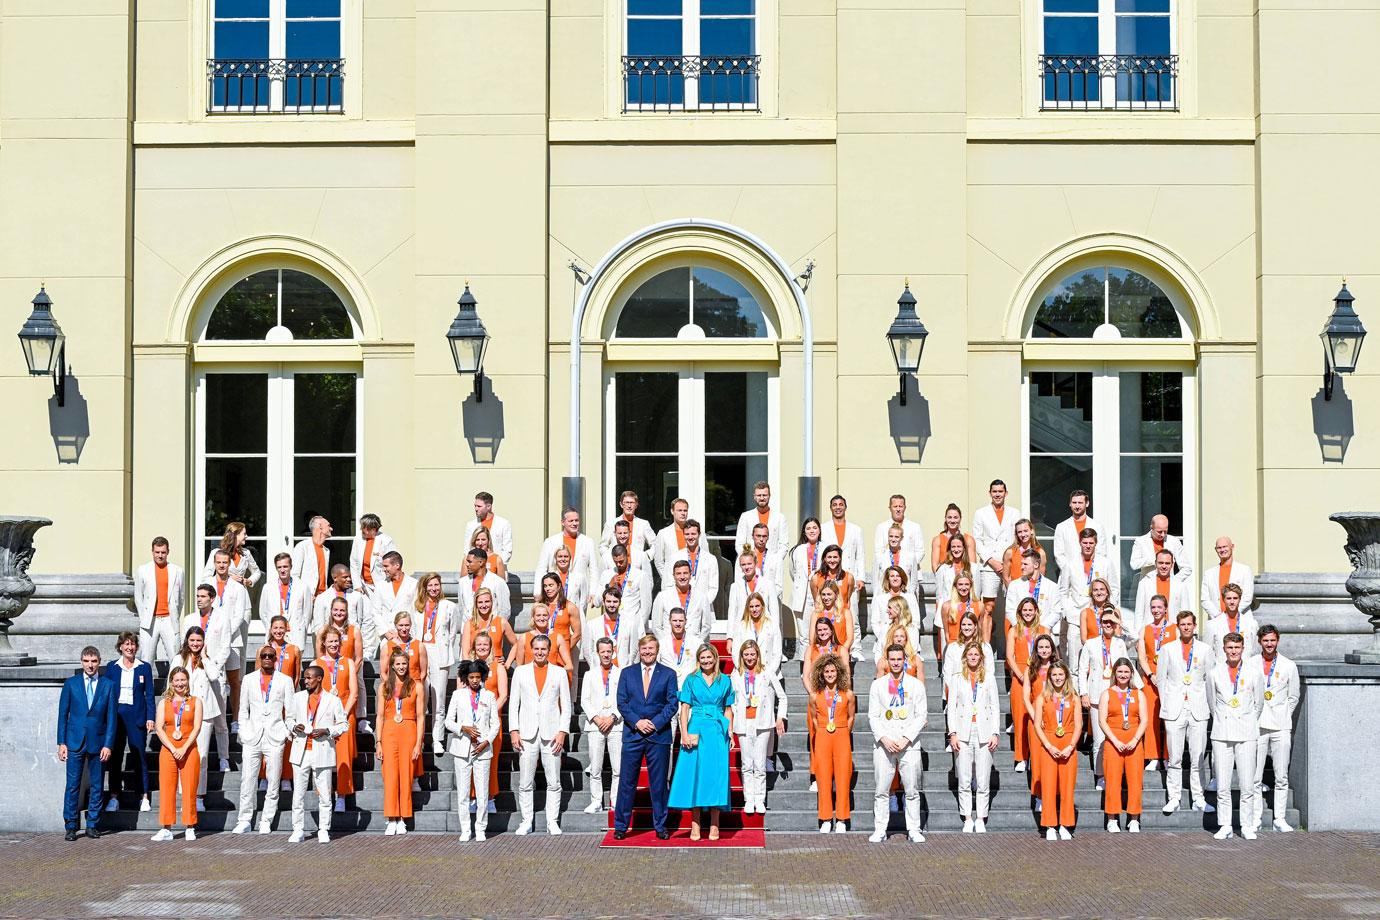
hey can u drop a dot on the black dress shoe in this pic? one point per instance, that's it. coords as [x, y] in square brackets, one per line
[620, 835]
[71, 835]
[663, 835]
[93, 833]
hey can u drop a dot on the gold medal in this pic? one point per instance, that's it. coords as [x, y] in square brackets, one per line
[1107, 672]
[901, 713]
[831, 727]
[752, 701]
[889, 714]
[1126, 725]
[1234, 703]
[1188, 679]
[1269, 695]
[1059, 732]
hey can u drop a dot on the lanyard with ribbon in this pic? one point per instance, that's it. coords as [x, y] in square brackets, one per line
[611, 633]
[1125, 708]
[1270, 674]
[397, 702]
[750, 684]
[474, 702]
[606, 680]
[1034, 588]
[266, 685]
[897, 688]
[974, 682]
[285, 599]
[428, 634]
[810, 550]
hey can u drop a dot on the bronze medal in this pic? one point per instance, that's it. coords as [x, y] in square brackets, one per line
[889, 714]
[1126, 725]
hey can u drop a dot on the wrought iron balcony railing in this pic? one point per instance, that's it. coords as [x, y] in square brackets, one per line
[1109, 82]
[274, 86]
[691, 83]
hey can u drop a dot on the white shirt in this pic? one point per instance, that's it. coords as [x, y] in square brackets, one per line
[992, 537]
[778, 532]
[126, 683]
[912, 538]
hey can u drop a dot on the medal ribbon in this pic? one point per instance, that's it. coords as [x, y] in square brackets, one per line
[1125, 705]
[750, 683]
[833, 697]
[397, 701]
[265, 683]
[428, 634]
[474, 701]
[178, 706]
[1270, 674]
[897, 688]
[611, 633]
[606, 682]
[1235, 679]
[1059, 713]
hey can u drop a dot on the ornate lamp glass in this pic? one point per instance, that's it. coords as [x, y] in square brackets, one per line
[469, 341]
[1342, 337]
[906, 337]
[45, 345]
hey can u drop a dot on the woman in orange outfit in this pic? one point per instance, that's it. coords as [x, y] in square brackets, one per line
[565, 616]
[1024, 539]
[482, 619]
[1020, 651]
[415, 652]
[1099, 595]
[1122, 710]
[830, 604]
[833, 708]
[497, 684]
[1058, 724]
[1156, 634]
[400, 739]
[177, 723]
[351, 649]
[481, 539]
[340, 680]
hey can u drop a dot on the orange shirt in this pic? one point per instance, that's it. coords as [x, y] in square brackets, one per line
[840, 527]
[289, 660]
[1223, 579]
[338, 679]
[1153, 644]
[762, 516]
[1022, 647]
[556, 657]
[170, 716]
[160, 593]
[680, 537]
[569, 544]
[539, 672]
[1000, 513]
[366, 569]
[819, 711]
[414, 656]
[1162, 586]
[320, 569]
[494, 628]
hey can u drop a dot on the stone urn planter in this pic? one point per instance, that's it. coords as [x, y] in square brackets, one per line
[1363, 550]
[16, 587]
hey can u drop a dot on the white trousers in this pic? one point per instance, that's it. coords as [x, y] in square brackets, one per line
[270, 755]
[161, 632]
[1275, 745]
[884, 767]
[361, 711]
[598, 744]
[1098, 736]
[203, 746]
[474, 769]
[321, 777]
[1241, 755]
[437, 682]
[754, 749]
[1175, 733]
[527, 778]
[220, 723]
[973, 758]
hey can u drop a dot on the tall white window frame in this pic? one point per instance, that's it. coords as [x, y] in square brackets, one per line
[1108, 15]
[277, 65]
[691, 18]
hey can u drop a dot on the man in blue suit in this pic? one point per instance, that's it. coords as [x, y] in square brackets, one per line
[85, 734]
[647, 700]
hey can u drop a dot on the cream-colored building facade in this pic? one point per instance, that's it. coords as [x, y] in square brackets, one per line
[493, 144]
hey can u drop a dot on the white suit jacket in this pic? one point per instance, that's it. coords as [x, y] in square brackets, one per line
[221, 636]
[779, 535]
[200, 686]
[639, 539]
[503, 601]
[304, 565]
[917, 710]
[321, 612]
[1210, 596]
[1240, 722]
[800, 569]
[383, 605]
[461, 712]
[953, 660]
[629, 631]
[500, 536]
[263, 720]
[913, 538]
[1218, 627]
[1143, 554]
[146, 592]
[907, 561]
[330, 715]
[699, 615]
[704, 572]
[666, 653]
[446, 629]
[961, 708]
[1074, 583]
[1175, 695]
[585, 565]
[639, 560]
[297, 610]
[1180, 599]
[539, 716]
[990, 537]
[665, 551]
[1283, 687]
[738, 593]
[1089, 681]
[1066, 545]
[768, 639]
[854, 553]
[383, 544]
[247, 567]
[770, 691]
[596, 701]
[233, 600]
[1049, 601]
[637, 594]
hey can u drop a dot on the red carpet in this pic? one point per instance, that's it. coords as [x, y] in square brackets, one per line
[738, 839]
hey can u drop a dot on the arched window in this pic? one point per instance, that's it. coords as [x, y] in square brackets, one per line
[692, 301]
[1106, 302]
[280, 304]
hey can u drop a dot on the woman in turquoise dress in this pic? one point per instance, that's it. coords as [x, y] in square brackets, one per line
[706, 726]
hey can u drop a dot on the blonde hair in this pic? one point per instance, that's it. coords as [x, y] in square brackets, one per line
[904, 618]
[750, 643]
[1049, 691]
[905, 640]
[747, 605]
[982, 660]
[168, 693]
[422, 598]
[705, 646]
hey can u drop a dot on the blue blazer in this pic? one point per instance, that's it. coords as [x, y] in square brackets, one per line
[143, 687]
[82, 728]
[659, 704]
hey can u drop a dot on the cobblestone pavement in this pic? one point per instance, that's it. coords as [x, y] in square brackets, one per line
[798, 875]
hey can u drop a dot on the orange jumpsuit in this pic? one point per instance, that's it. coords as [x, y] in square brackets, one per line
[952, 621]
[812, 653]
[340, 680]
[1115, 764]
[414, 667]
[1032, 743]
[396, 742]
[494, 630]
[832, 759]
[1153, 742]
[560, 626]
[1018, 657]
[171, 771]
[1058, 777]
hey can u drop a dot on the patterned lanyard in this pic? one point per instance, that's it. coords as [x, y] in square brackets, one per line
[474, 704]
[750, 683]
[810, 550]
[898, 691]
[1270, 674]
[1125, 704]
[611, 633]
[429, 634]
[1059, 713]
[606, 680]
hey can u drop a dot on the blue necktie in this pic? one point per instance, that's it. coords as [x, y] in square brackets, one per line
[90, 692]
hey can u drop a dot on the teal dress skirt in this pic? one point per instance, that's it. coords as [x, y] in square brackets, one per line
[701, 776]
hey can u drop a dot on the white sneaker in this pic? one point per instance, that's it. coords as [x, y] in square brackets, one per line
[438, 748]
[340, 803]
[877, 837]
[189, 834]
[492, 809]
[162, 836]
[553, 829]
[1284, 827]
[1011, 729]
[297, 837]
[826, 827]
[1133, 826]
[1223, 834]
[112, 805]
[1151, 766]
[1170, 807]
[224, 765]
[391, 829]
[1200, 805]
[402, 828]
[1064, 834]
[323, 836]
[365, 727]
[200, 803]
[144, 804]
[240, 827]
[1260, 787]
[1101, 784]
[1113, 827]
[840, 827]
[265, 828]
[479, 835]
[465, 835]
[1020, 766]
[524, 829]
[593, 808]
[814, 786]
[1248, 833]
[967, 825]
[916, 837]
[1051, 834]
[980, 826]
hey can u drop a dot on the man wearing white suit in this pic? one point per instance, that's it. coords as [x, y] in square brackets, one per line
[397, 593]
[285, 596]
[1162, 580]
[472, 720]
[895, 553]
[1149, 545]
[539, 717]
[638, 558]
[608, 621]
[639, 529]
[1232, 620]
[1067, 531]
[635, 594]
[1281, 695]
[1181, 678]
[500, 531]
[158, 597]
[747, 581]
[778, 528]
[896, 713]
[912, 536]
[263, 730]
[316, 720]
[584, 554]
[310, 558]
[670, 543]
[684, 595]
[477, 575]
[1236, 696]
[1227, 571]
[220, 637]
[367, 550]
[704, 565]
[994, 529]
[848, 537]
[602, 723]
[1075, 583]
[676, 648]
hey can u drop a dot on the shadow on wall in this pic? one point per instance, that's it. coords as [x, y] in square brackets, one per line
[70, 425]
[1333, 422]
[483, 423]
[910, 424]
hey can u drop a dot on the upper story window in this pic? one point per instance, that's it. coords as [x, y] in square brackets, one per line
[691, 55]
[275, 56]
[1107, 302]
[1109, 54]
[279, 305]
[692, 302]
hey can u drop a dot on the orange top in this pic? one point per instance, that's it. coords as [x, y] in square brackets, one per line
[160, 593]
[1090, 626]
[839, 528]
[351, 646]
[320, 569]
[399, 704]
[1000, 513]
[569, 544]
[1123, 708]
[339, 679]
[1020, 649]
[955, 616]
[366, 570]
[762, 516]
[819, 711]
[170, 716]
[1154, 643]
[494, 628]
[1223, 578]
[488, 523]
[560, 621]
[539, 672]
[1052, 719]
[1013, 565]
[494, 564]
[289, 660]
[414, 655]
[840, 621]
[491, 682]
[556, 656]
[1162, 586]
[1037, 685]
[680, 537]
[845, 583]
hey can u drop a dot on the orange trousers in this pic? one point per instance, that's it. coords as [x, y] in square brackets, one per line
[832, 764]
[1153, 742]
[395, 750]
[1115, 765]
[171, 774]
[1022, 727]
[1056, 782]
[345, 748]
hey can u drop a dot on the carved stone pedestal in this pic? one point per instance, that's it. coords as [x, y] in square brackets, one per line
[16, 587]
[1363, 550]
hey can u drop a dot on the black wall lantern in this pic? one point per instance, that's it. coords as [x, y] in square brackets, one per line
[907, 338]
[468, 342]
[45, 347]
[1341, 337]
